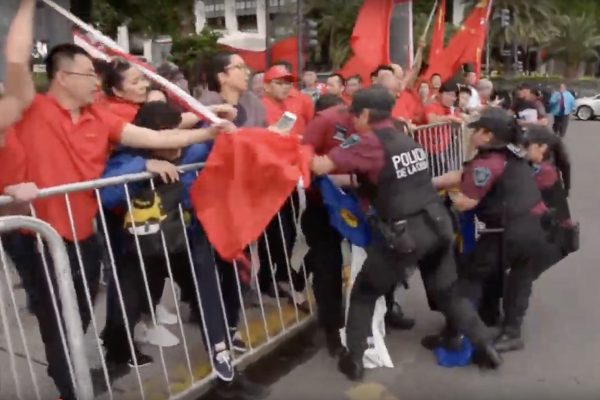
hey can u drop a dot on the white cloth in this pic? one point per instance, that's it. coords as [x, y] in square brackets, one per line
[377, 355]
[474, 100]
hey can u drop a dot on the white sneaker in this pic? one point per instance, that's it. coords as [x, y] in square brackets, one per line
[161, 336]
[164, 316]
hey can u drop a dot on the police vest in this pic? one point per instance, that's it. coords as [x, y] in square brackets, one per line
[404, 187]
[512, 196]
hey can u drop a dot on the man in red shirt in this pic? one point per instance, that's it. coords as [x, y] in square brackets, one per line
[64, 137]
[280, 96]
[444, 110]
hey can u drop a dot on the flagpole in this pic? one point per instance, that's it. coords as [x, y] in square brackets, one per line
[194, 104]
[430, 19]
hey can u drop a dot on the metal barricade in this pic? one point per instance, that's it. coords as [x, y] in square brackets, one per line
[185, 369]
[71, 332]
[445, 146]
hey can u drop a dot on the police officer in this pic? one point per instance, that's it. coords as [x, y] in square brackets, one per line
[499, 184]
[331, 127]
[552, 171]
[410, 226]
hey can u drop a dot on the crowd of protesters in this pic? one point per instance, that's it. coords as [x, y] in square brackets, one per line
[105, 119]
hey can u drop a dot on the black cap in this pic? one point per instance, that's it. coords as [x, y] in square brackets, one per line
[498, 122]
[374, 98]
[449, 87]
[468, 68]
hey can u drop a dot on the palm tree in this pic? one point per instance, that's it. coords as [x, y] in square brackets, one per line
[336, 20]
[578, 40]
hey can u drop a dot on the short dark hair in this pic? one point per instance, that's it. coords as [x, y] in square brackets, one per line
[382, 68]
[114, 75]
[377, 100]
[157, 115]
[340, 77]
[211, 69]
[327, 101]
[357, 77]
[434, 75]
[59, 53]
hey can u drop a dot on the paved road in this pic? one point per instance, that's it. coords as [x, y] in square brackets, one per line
[562, 355]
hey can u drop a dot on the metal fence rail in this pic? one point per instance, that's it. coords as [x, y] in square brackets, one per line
[184, 369]
[72, 335]
[445, 146]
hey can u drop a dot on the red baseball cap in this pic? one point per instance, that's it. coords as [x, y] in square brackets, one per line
[278, 72]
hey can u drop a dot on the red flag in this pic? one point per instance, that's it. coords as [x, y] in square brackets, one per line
[437, 35]
[282, 50]
[246, 180]
[370, 41]
[466, 45]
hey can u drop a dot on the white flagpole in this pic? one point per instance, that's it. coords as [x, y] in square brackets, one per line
[430, 19]
[194, 104]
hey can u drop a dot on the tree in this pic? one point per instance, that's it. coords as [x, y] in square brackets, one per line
[151, 17]
[336, 20]
[578, 40]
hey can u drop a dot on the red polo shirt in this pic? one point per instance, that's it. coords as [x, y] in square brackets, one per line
[121, 108]
[56, 151]
[409, 107]
[436, 108]
[295, 104]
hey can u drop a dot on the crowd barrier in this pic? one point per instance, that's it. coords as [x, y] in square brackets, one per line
[181, 371]
[185, 370]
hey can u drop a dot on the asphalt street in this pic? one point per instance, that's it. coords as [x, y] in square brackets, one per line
[561, 359]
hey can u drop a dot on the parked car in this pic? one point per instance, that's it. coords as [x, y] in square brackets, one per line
[587, 108]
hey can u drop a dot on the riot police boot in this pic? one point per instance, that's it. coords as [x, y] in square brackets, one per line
[333, 342]
[449, 339]
[509, 340]
[487, 357]
[351, 366]
[396, 319]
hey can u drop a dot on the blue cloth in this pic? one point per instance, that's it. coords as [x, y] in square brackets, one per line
[555, 103]
[130, 161]
[344, 212]
[467, 231]
[451, 359]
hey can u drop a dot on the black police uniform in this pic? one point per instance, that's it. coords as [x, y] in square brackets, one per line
[412, 227]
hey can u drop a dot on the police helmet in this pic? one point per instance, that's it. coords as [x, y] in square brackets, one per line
[374, 98]
[496, 120]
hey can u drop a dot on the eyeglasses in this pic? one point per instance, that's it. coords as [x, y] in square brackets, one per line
[281, 82]
[241, 67]
[89, 75]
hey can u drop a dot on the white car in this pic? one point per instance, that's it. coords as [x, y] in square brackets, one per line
[587, 108]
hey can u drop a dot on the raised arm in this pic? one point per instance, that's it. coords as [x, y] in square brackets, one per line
[19, 88]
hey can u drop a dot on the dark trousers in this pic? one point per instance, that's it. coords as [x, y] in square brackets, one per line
[383, 268]
[280, 240]
[38, 291]
[520, 248]
[324, 260]
[561, 124]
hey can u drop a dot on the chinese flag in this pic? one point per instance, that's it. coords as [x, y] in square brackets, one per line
[370, 41]
[246, 180]
[465, 46]
[437, 34]
[282, 50]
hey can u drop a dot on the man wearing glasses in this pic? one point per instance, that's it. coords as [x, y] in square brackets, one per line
[64, 137]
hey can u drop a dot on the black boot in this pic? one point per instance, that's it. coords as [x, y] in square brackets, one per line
[395, 318]
[449, 338]
[509, 340]
[351, 367]
[334, 343]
